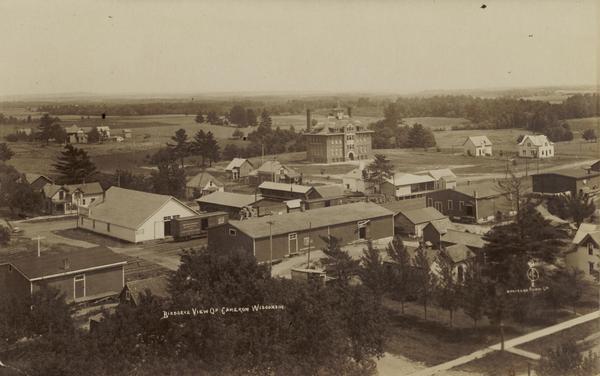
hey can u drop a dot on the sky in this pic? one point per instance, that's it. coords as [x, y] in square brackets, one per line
[180, 47]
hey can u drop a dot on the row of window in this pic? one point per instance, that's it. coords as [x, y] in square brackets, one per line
[439, 204]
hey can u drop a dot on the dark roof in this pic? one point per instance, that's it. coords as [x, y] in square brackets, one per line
[52, 263]
[482, 189]
[158, 286]
[316, 218]
[577, 173]
[329, 191]
[422, 215]
[466, 238]
[229, 199]
[284, 187]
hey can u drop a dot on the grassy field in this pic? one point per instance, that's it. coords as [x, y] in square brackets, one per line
[437, 122]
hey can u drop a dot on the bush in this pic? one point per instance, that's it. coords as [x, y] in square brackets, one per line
[4, 235]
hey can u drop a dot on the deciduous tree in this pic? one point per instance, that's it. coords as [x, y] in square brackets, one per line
[401, 283]
[5, 152]
[425, 280]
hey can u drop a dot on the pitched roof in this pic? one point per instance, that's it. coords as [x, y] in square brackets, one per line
[459, 252]
[483, 189]
[356, 173]
[234, 200]
[33, 177]
[51, 263]
[316, 218]
[397, 206]
[479, 140]
[595, 236]
[295, 188]
[87, 188]
[583, 230]
[406, 179]
[129, 208]
[441, 225]
[51, 189]
[536, 140]
[465, 238]
[201, 179]
[422, 215]
[445, 173]
[327, 191]
[158, 286]
[237, 163]
[577, 173]
[275, 167]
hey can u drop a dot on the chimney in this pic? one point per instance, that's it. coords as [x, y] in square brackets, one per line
[475, 194]
[349, 111]
[66, 264]
[308, 120]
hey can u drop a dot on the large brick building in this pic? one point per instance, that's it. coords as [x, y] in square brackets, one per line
[338, 139]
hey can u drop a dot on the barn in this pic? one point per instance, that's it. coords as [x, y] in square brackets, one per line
[294, 233]
[80, 274]
[133, 216]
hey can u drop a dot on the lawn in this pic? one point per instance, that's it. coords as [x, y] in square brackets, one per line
[437, 122]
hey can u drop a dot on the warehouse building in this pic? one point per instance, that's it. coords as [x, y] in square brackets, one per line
[572, 181]
[133, 216]
[293, 233]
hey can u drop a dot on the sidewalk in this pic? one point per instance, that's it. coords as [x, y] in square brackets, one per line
[508, 344]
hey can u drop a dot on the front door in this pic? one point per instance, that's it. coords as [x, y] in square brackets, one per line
[293, 243]
[79, 286]
[167, 226]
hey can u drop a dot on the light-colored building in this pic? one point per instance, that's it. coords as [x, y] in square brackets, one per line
[444, 178]
[276, 172]
[76, 135]
[354, 181]
[126, 133]
[477, 146]
[536, 146]
[133, 216]
[69, 198]
[239, 168]
[585, 254]
[403, 186]
[202, 184]
[104, 131]
[338, 139]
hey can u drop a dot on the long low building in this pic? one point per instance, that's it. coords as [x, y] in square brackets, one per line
[133, 216]
[294, 233]
[572, 181]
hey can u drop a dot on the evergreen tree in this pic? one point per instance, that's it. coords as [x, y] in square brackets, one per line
[379, 170]
[473, 297]
[212, 149]
[74, 166]
[181, 146]
[372, 271]
[93, 135]
[212, 117]
[265, 119]
[251, 119]
[577, 207]
[448, 291]
[199, 145]
[425, 280]
[45, 127]
[338, 262]
[199, 118]
[400, 276]
[169, 179]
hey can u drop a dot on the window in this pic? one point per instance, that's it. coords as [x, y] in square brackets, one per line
[83, 201]
[10, 268]
[82, 221]
[450, 205]
[221, 220]
[61, 195]
[232, 232]
[438, 206]
[429, 202]
[591, 266]
[108, 227]
[293, 236]
[306, 241]
[590, 249]
[461, 205]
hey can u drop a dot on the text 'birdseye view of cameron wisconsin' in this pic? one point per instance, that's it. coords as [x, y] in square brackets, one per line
[291, 188]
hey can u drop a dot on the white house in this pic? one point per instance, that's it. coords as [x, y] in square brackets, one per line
[68, 199]
[477, 146]
[585, 254]
[536, 146]
[403, 186]
[133, 216]
[354, 180]
[202, 184]
[444, 178]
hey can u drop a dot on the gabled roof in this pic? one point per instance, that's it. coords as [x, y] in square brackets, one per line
[201, 180]
[445, 173]
[441, 225]
[33, 177]
[234, 200]
[583, 230]
[536, 140]
[594, 236]
[424, 215]
[459, 253]
[51, 189]
[276, 167]
[87, 188]
[52, 263]
[316, 218]
[237, 163]
[357, 173]
[397, 206]
[465, 238]
[158, 286]
[479, 140]
[400, 179]
[129, 208]
[329, 191]
[295, 188]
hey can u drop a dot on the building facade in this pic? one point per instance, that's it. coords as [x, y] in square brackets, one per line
[338, 139]
[572, 181]
[239, 168]
[535, 146]
[477, 146]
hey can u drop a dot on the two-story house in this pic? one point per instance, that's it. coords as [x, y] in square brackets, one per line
[535, 146]
[66, 199]
[404, 186]
[585, 253]
[477, 146]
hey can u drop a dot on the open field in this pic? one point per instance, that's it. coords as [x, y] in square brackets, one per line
[579, 125]
[437, 122]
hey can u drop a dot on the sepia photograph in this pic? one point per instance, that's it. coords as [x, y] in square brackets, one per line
[300, 188]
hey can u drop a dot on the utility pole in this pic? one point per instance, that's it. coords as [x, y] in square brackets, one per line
[38, 238]
[309, 244]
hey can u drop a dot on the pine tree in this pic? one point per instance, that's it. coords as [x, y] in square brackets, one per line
[251, 119]
[379, 170]
[447, 290]
[265, 119]
[425, 280]
[181, 147]
[198, 146]
[212, 149]
[45, 127]
[372, 272]
[473, 297]
[400, 272]
[74, 165]
[338, 262]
